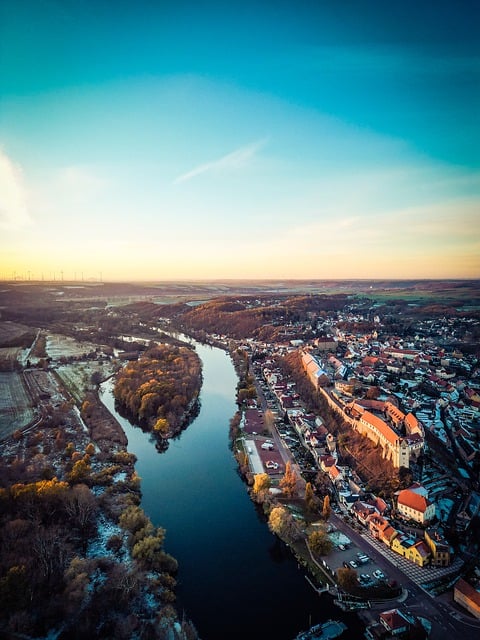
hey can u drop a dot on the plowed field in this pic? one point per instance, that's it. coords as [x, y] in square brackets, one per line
[16, 409]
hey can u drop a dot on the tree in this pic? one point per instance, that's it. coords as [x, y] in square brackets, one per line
[326, 510]
[288, 484]
[312, 503]
[90, 449]
[133, 519]
[347, 578]
[269, 420]
[319, 542]
[161, 426]
[81, 507]
[261, 484]
[283, 524]
[80, 471]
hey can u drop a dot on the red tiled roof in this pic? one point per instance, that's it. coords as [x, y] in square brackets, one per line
[411, 421]
[393, 619]
[388, 433]
[388, 533]
[413, 500]
[394, 411]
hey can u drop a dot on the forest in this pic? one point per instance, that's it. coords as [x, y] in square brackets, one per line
[77, 554]
[160, 390]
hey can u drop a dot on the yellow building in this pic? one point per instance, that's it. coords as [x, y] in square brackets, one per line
[415, 551]
[439, 548]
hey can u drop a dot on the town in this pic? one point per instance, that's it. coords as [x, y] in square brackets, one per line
[417, 398]
[374, 403]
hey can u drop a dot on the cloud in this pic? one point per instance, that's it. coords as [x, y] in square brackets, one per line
[13, 194]
[234, 160]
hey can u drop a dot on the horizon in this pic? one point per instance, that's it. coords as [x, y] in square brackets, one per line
[287, 141]
[93, 281]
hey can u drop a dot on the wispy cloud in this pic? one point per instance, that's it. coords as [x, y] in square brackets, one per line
[234, 160]
[13, 194]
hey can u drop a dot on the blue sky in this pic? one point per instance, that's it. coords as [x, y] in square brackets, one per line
[158, 140]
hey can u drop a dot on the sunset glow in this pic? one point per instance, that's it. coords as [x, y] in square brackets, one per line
[231, 141]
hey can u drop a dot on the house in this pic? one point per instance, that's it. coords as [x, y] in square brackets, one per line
[394, 621]
[412, 505]
[439, 548]
[414, 550]
[362, 511]
[326, 462]
[315, 372]
[335, 474]
[381, 529]
[466, 595]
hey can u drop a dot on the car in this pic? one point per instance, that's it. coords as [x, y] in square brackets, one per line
[342, 547]
[365, 577]
[270, 464]
[353, 564]
[379, 575]
[345, 564]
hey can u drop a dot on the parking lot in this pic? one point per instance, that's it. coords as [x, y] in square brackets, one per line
[347, 554]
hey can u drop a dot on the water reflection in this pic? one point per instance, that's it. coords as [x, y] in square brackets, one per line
[236, 579]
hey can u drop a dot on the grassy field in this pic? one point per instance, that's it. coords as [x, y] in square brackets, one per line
[16, 409]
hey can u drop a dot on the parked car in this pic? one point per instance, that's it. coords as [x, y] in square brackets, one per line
[379, 575]
[353, 564]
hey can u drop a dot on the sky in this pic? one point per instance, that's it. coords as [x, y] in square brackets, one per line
[151, 140]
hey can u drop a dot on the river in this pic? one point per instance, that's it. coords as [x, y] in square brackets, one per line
[236, 579]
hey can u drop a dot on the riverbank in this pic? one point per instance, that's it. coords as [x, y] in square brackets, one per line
[235, 578]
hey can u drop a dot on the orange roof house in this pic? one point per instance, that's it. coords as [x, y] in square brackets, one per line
[415, 506]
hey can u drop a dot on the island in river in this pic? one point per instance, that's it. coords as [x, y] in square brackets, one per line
[160, 390]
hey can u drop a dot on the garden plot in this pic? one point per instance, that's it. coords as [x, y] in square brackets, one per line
[16, 409]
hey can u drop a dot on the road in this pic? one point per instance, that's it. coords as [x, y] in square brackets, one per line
[446, 620]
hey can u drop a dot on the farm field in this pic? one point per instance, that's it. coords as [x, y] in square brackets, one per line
[15, 334]
[59, 346]
[8, 357]
[16, 409]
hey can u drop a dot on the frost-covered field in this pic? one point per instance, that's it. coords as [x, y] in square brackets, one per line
[16, 409]
[77, 377]
[59, 346]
